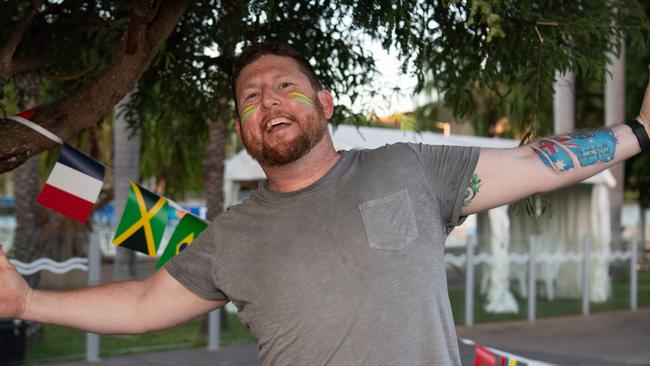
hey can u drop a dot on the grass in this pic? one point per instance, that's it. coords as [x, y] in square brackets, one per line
[619, 300]
[63, 344]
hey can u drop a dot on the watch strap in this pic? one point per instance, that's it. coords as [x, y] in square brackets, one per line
[641, 135]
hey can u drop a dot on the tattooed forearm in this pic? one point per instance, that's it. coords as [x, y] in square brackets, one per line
[565, 152]
[472, 190]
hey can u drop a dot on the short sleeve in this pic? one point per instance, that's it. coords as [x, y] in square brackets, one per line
[449, 170]
[193, 267]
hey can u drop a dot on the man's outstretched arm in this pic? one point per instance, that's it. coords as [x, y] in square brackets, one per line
[129, 307]
[506, 175]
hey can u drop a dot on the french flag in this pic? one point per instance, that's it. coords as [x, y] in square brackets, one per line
[73, 185]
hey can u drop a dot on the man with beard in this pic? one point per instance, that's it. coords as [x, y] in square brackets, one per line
[338, 257]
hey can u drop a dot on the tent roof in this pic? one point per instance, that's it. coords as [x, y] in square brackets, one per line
[350, 137]
[242, 167]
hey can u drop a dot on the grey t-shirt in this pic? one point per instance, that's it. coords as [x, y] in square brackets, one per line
[347, 271]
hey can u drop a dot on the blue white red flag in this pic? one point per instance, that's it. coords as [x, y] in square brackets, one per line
[73, 185]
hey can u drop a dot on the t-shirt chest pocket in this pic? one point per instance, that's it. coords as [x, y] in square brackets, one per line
[390, 221]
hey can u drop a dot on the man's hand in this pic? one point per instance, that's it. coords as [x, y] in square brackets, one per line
[644, 114]
[14, 291]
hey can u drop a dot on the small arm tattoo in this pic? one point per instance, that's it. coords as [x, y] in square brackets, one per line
[472, 190]
[565, 152]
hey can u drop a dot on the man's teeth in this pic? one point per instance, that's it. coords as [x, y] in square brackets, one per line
[276, 121]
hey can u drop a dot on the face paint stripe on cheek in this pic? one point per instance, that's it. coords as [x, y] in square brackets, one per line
[247, 112]
[302, 98]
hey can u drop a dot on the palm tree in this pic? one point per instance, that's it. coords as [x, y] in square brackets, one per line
[615, 114]
[213, 165]
[127, 166]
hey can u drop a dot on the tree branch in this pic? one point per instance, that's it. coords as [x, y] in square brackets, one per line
[14, 40]
[35, 62]
[143, 13]
[74, 76]
[26, 65]
[83, 108]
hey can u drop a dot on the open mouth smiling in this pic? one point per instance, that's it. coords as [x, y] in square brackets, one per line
[277, 123]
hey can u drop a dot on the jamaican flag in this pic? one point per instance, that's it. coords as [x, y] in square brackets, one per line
[143, 222]
[186, 231]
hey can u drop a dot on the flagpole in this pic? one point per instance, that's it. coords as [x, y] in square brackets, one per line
[94, 277]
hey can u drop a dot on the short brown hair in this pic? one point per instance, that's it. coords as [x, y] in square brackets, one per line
[256, 50]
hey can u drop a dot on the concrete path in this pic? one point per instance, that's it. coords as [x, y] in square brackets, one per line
[610, 338]
[619, 338]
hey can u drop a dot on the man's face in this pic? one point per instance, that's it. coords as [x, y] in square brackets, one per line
[280, 115]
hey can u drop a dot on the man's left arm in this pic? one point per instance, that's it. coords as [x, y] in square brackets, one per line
[503, 176]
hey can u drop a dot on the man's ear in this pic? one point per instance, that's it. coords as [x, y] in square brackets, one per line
[327, 102]
[238, 127]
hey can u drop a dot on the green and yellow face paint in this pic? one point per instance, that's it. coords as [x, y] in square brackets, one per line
[247, 112]
[302, 98]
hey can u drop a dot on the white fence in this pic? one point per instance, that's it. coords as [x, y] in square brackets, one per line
[92, 265]
[470, 260]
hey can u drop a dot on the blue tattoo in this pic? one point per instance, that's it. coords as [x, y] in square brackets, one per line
[553, 155]
[563, 152]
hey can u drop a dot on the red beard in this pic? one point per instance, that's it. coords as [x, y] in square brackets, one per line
[311, 132]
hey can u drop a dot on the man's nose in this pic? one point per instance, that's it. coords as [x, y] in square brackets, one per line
[270, 98]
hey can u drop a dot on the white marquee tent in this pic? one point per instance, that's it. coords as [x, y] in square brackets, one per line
[586, 206]
[241, 167]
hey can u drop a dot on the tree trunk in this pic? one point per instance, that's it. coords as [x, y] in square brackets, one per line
[26, 183]
[213, 163]
[26, 187]
[60, 237]
[614, 115]
[127, 166]
[82, 108]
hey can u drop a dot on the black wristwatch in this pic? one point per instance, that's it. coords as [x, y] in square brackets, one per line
[641, 135]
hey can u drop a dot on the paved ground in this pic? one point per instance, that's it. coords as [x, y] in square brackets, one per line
[620, 338]
[611, 338]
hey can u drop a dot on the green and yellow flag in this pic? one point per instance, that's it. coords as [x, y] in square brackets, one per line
[188, 229]
[143, 222]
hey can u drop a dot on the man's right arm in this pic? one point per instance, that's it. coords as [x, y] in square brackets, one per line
[128, 307]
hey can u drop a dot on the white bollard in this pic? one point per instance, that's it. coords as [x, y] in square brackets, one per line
[214, 323]
[634, 280]
[469, 281]
[532, 279]
[586, 266]
[94, 277]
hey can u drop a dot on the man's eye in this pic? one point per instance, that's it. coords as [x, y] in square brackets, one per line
[251, 96]
[285, 85]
